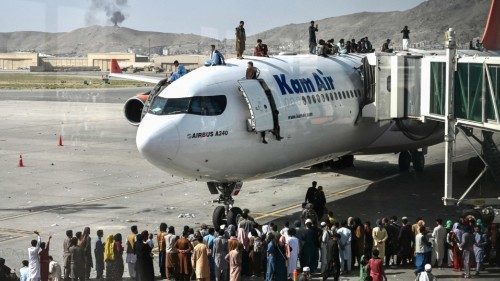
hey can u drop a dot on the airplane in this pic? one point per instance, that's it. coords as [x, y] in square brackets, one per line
[215, 126]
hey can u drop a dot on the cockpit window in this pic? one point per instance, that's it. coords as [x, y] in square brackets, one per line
[206, 106]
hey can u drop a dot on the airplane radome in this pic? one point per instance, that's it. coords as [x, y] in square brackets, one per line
[214, 125]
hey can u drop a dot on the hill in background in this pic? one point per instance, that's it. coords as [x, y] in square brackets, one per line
[427, 22]
[103, 39]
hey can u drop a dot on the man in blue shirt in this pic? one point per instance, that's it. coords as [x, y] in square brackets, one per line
[216, 58]
[209, 240]
[179, 72]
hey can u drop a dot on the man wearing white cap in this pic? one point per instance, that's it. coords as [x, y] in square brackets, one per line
[306, 274]
[326, 249]
[426, 275]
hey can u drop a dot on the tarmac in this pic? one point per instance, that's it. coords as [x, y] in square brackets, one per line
[98, 179]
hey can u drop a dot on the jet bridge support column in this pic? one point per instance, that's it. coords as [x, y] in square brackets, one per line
[450, 121]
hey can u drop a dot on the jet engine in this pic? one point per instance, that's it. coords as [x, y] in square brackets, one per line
[133, 108]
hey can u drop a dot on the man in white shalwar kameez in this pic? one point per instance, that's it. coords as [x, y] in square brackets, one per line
[294, 249]
[345, 247]
[33, 259]
[54, 270]
[439, 235]
[326, 250]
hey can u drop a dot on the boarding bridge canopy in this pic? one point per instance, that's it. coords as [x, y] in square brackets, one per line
[476, 95]
[413, 86]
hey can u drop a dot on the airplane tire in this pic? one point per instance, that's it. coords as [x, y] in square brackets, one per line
[418, 160]
[233, 215]
[219, 216]
[347, 161]
[472, 213]
[474, 167]
[404, 161]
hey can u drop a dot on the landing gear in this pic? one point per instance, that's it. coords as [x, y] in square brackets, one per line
[406, 158]
[418, 159]
[226, 214]
[404, 161]
[344, 162]
[474, 166]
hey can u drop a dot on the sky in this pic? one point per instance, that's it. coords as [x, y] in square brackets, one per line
[215, 19]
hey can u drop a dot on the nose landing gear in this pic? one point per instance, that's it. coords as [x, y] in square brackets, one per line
[226, 214]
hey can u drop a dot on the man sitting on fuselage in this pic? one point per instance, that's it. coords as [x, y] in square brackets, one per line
[178, 73]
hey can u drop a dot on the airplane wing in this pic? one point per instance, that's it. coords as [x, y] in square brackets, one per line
[117, 72]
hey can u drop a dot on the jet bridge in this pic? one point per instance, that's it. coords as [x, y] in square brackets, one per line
[458, 88]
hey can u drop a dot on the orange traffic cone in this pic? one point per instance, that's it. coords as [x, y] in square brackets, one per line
[60, 140]
[20, 164]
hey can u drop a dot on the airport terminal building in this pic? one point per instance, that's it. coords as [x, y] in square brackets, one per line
[37, 62]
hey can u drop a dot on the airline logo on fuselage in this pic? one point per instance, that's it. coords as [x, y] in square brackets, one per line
[304, 85]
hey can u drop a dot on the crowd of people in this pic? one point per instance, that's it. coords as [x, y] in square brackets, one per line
[319, 244]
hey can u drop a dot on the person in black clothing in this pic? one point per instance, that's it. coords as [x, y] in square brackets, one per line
[405, 238]
[369, 49]
[336, 253]
[144, 264]
[319, 203]
[406, 38]
[368, 240]
[311, 193]
[391, 245]
[312, 37]
[4, 270]
[385, 47]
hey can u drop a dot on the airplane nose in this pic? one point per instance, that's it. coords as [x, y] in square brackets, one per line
[158, 139]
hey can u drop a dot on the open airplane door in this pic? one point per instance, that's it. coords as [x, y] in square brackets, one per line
[261, 115]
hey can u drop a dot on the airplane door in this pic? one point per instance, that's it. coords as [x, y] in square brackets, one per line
[261, 113]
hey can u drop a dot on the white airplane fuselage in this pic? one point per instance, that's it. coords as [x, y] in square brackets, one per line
[220, 148]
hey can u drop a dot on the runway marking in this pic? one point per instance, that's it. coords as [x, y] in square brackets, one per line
[86, 201]
[278, 213]
[7, 234]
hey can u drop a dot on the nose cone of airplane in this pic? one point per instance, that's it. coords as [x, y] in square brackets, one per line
[158, 139]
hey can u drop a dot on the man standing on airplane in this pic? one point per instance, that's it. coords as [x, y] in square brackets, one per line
[240, 40]
[312, 37]
[406, 38]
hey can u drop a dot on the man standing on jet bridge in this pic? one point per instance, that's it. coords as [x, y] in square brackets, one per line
[406, 38]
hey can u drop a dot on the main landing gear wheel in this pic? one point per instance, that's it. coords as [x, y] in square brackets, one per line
[404, 161]
[344, 162]
[418, 160]
[219, 216]
[233, 215]
[226, 214]
[347, 161]
[474, 167]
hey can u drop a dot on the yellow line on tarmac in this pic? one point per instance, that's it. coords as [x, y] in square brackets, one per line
[278, 213]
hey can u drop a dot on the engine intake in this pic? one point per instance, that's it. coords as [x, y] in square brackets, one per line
[133, 108]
